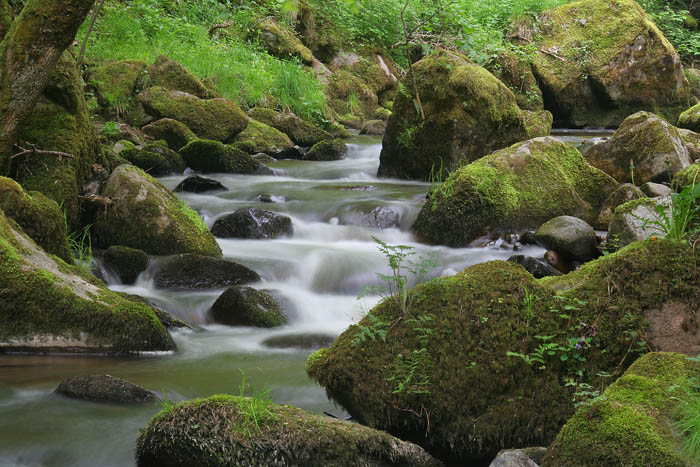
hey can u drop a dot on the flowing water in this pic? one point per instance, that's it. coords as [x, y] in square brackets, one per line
[319, 272]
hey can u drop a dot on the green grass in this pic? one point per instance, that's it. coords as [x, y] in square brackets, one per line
[145, 29]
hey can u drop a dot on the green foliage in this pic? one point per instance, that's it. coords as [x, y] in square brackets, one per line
[687, 414]
[376, 329]
[79, 243]
[145, 29]
[111, 130]
[672, 21]
[257, 408]
[683, 219]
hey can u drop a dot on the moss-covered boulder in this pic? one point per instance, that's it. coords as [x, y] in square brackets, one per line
[650, 143]
[190, 271]
[281, 41]
[127, 262]
[349, 94]
[171, 75]
[259, 137]
[692, 142]
[690, 119]
[245, 306]
[373, 127]
[514, 71]
[175, 133]
[239, 431]
[442, 375]
[630, 425]
[537, 123]
[155, 159]
[61, 122]
[688, 176]
[213, 156]
[104, 388]
[468, 113]
[598, 62]
[49, 306]
[327, 150]
[218, 119]
[39, 217]
[504, 192]
[144, 214]
[114, 83]
[624, 193]
[301, 132]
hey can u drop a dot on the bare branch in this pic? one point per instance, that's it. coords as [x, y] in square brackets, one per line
[33, 150]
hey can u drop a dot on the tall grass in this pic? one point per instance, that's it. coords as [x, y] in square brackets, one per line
[145, 29]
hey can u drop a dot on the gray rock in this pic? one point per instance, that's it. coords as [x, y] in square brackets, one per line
[624, 193]
[632, 221]
[190, 271]
[571, 237]
[534, 266]
[245, 306]
[528, 457]
[380, 217]
[198, 184]
[655, 190]
[104, 388]
[252, 223]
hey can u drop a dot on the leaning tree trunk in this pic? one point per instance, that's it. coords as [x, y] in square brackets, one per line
[28, 55]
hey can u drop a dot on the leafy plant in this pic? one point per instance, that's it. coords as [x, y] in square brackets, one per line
[376, 329]
[111, 130]
[256, 408]
[80, 244]
[412, 370]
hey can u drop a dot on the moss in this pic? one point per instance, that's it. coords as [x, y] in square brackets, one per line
[349, 94]
[327, 150]
[155, 159]
[59, 122]
[687, 176]
[630, 426]
[245, 306]
[39, 217]
[217, 119]
[516, 73]
[468, 411]
[693, 77]
[605, 61]
[214, 156]
[127, 262]
[145, 215]
[229, 430]
[259, 137]
[114, 83]
[469, 113]
[175, 133]
[503, 192]
[299, 131]
[537, 123]
[46, 306]
[690, 119]
[281, 42]
[171, 75]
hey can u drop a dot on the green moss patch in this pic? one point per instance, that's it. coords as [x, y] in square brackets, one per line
[259, 137]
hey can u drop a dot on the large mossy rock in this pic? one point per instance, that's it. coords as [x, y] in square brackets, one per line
[515, 71]
[259, 137]
[688, 176]
[39, 217]
[231, 432]
[281, 41]
[155, 159]
[49, 306]
[350, 95]
[630, 425]
[144, 214]
[171, 75]
[217, 119]
[300, 132]
[442, 377]
[175, 133]
[517, 188]
[468, 114]
[127, 262]
[690, 119]
[651, 143]
[598, 62]
[61, 122]
[115, 82]
[213, 156]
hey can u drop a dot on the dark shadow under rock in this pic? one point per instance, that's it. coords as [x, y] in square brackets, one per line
[534, 266]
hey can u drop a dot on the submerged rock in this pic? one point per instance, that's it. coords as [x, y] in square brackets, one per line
[598, 62]
[104, 388]
[227, 433]
[469, 113]
[201, 272]
[245, 306]
[630, 424]
[144, 214]
[127, 262]
[569, 236]
[479, 399]
[252, 223]
[505, 191]
[198, 184]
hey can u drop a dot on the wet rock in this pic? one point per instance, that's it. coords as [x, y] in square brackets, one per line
[279, 435]
[534, 266]
[598, 62]
[175, 133]
[655, 190]
[373, 127]
[636, 220]
[503, 192]
[267, 198]
[652, 144]
[327, 150]
[213, 156]
[245, 306]
[569, 236]
[264, 158]
[146, 215]
[381, 217]
[166, 319]
[252, 223]
[295, 152]
[299, 341]
[127, 262]
[528, 457]
[469, 113]
[104, 388]
[624, 193]
[199, 184]
[190, 271]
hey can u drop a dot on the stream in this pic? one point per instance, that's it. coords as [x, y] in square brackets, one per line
[319, 271]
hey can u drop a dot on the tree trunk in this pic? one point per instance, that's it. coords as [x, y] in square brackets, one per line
[28, 55]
